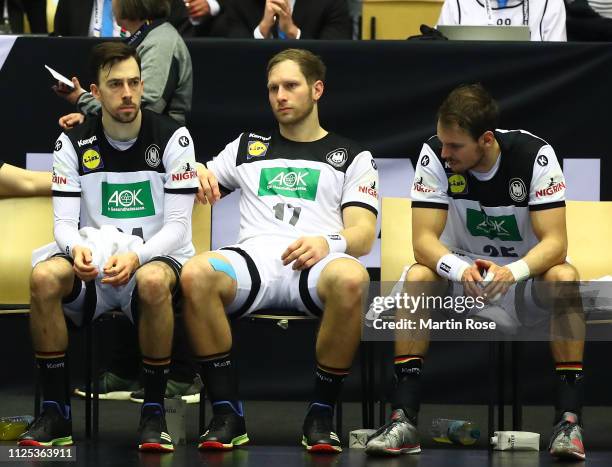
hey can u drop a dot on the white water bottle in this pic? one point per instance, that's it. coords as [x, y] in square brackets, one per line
[515, 441]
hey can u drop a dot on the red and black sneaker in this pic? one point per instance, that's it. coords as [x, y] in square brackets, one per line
[226, 429]
[318, 435]
[53, 427]
[153, 431]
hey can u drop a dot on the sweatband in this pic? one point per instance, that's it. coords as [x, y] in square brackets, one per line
[520, 270]
[451, 267]
[336, 242]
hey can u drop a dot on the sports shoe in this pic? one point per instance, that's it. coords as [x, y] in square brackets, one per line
[189, 392]
[566, 440]
[399, 436]
[51, 428]
[112, 387]
[153, 431]
[318, 435]
[226, 429]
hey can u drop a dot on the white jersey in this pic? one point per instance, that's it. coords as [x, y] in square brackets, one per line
[291, 189]
[127, 189]
[545, 18]
[488, 214]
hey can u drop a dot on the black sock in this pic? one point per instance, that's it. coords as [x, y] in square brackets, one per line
[328, 383]
[155, 375]
[53, 377]
[218, 373]
[570, 389]
[407, 389]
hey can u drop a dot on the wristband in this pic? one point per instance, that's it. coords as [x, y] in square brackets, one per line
[451, 267]
[336, 242]
[520, 270]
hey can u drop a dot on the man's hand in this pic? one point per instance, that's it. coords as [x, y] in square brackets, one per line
[119, 268]
[209, 187]
[82, 263]
[470, 280]
[284, 14]
[281, 10]
[71, 120]
[70, 94]
[305, 252]
[197, 9]
[267, 21]
[502, 279]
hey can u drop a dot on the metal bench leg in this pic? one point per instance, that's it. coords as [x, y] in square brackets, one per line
[339, 418]
[517, 408]
[88, 378]
[96, 385]
[364, 383]
[501, 382]
[492, 382]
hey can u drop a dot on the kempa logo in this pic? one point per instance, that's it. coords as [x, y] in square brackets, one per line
[127, 200]
[289, 181]
[255, 135]
[505, 228]
[85, 142]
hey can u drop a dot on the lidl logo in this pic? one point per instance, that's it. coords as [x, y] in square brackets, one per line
[256, 149]
[127, 200]
[91, 160]
[289, 181]
[505, 228]
[457, 184]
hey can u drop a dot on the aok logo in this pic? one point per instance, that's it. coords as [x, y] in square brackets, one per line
[503, 227]
[289, 181]
[127, 200]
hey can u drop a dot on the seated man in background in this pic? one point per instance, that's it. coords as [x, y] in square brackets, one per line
[489, 200]
[166, 64]
[289, 19]
[15, 181]
[546, 19]
[127, 170]
[308, 209]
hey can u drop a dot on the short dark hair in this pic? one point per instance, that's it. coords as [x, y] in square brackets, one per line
[135, 10]
[110, 53]
[311, 65]
[470, 107]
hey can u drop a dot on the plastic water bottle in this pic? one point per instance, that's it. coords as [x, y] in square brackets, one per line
[462, 432]
[12, 427]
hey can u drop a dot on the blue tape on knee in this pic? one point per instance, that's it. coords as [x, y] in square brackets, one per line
[222, 266]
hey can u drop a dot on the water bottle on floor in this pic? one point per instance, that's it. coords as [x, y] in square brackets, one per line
[12, 427]
[462, 432]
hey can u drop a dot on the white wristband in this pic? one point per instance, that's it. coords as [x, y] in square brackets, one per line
[336, 242]
[520, 270]
[451, 267]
